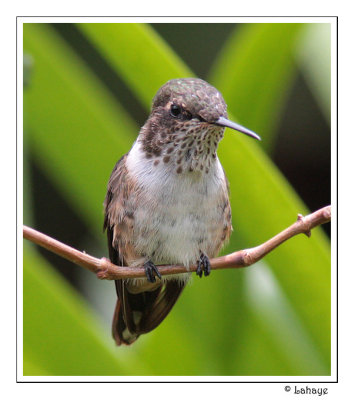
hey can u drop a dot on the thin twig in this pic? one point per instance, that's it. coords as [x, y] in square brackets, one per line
[104, 269]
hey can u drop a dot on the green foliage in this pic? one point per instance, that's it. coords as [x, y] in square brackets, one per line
[135, 51]
[271, 319]
[314, 56]
[253, 73]
[48, 315]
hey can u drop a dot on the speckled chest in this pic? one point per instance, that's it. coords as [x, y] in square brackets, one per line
[178, 215]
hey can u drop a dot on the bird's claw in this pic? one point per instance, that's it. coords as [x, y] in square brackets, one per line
[203, 266]
[151, 270]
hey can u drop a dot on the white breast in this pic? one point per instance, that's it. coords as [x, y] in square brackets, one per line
[178, 215]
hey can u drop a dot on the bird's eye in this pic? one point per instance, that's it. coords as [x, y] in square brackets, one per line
[175, 110]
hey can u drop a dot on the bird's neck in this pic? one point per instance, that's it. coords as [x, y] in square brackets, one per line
[186, 150]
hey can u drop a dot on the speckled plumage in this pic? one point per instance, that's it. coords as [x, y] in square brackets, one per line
[190, 141]
[167, 201]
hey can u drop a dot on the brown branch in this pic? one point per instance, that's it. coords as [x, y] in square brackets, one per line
[104, 269]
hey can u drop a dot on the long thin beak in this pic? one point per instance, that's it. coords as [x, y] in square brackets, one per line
[229, 124]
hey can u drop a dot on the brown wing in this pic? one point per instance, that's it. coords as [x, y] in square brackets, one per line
[119, 214]
[139, 312]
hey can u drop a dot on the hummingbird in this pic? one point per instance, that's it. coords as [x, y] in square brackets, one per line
[167, 202]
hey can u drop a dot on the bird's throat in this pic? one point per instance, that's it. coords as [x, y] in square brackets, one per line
[189, 149]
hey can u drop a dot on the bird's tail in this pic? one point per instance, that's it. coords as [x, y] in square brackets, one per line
[140, 313]
[120, 332]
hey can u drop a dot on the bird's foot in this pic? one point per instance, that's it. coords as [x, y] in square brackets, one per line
[151, 270]
[203, 265]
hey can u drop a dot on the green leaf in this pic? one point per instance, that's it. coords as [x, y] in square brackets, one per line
[60, 335]
[282, 327]
[263, 204]
[138, 55]
[254, 72]
[314, 56]
[76, 128]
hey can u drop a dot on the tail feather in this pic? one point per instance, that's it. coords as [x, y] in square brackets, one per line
[120, 332]
[140, 313]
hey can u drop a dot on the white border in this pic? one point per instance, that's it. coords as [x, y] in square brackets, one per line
[334, 237]
[274, 379]
[176, 19]
[19, 199]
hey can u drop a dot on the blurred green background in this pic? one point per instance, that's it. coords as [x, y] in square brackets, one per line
[87, 92]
